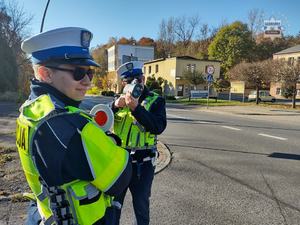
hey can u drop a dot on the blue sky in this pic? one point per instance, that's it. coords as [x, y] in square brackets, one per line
[138, 18]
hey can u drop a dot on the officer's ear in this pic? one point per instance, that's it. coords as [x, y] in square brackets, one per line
[45, 74]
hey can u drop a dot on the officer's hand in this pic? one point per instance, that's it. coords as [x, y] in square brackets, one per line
[130, 101]
[120, 102]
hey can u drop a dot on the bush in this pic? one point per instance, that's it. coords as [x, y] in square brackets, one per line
[108, 93]
[93, 91]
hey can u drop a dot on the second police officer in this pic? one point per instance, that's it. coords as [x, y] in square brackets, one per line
[138, 121]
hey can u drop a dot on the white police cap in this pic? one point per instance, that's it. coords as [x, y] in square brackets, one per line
[69, 45]
[130, 69]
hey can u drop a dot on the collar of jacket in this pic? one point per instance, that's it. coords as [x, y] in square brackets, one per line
[38, 88]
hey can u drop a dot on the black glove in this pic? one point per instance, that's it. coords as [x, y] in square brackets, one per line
[114, 137]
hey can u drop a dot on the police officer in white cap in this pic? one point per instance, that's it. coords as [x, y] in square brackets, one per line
[72, 167]
[140, 115]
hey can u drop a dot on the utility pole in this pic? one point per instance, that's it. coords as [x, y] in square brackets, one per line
[45, 11]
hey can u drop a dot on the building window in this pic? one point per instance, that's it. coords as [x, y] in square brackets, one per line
[149, 69]
[188, 67]
[193, 68]
[156, 68]
[278, 91]
[291, 60]
[298, 92]
[144, 69]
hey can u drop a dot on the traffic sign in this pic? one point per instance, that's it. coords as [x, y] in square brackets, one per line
[103, 116]
[210, 69]
[210, 78]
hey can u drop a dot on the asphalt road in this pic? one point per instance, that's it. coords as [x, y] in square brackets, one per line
[223, 171]
[91, 101]
[226, 169]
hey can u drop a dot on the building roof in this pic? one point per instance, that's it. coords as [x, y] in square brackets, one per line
[293, 49]
[181, 57]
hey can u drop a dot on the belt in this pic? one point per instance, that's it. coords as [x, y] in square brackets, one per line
[143, 156]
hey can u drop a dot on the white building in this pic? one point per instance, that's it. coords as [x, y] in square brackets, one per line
[119, 54]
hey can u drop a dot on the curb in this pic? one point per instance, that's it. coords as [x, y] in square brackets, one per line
[164, 157]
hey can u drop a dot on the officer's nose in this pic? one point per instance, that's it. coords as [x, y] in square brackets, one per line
[86, 80]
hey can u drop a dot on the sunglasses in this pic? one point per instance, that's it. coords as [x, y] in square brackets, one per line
[78, 73]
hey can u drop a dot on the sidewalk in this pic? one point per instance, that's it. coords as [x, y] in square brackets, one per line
[164, 157]
[271, 114]
[252, 110]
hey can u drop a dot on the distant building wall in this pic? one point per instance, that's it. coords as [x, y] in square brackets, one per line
[276, 90]
[292, 56]
[119, 54]
[172, 70]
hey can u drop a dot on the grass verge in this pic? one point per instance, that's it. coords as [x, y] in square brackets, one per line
[202, 101]
[5, 158]
[7, 149]
[219, 102]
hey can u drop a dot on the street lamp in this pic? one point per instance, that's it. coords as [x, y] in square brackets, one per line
[45, 11]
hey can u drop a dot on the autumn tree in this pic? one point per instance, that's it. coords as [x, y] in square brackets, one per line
[176, 35]
[255, 74]
[166, 38]
[13, 30]
[146, 41]
[198, 48]
[232, 44]
[125, 41]
[99, 54]
[193, 77]
[154, 84]
[265, 47]
[185, 30]
[8, 71]
[289, 74]
[255, 21]
[221, 85]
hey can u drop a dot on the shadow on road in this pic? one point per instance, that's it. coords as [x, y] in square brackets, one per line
[237, 180]
[280, 155]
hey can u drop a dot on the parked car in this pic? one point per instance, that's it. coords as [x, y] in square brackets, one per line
[264, 96]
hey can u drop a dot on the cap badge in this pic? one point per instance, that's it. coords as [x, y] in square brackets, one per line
[86, 37]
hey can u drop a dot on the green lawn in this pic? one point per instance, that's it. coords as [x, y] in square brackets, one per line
[203, 101]
[219, 102]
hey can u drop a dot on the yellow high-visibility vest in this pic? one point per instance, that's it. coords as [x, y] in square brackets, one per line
[107, 162]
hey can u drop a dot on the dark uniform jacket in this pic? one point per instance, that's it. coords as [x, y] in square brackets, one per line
[154, 120]
[57, 153]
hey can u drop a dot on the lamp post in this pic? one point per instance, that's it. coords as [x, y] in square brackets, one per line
[45, 11]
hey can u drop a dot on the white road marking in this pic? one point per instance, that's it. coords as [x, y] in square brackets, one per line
[271, 136]
[185, 118]
[175, 116]
[231, 128]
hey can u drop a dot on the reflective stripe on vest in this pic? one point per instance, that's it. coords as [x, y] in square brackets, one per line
[87, 199]
[131, 132]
